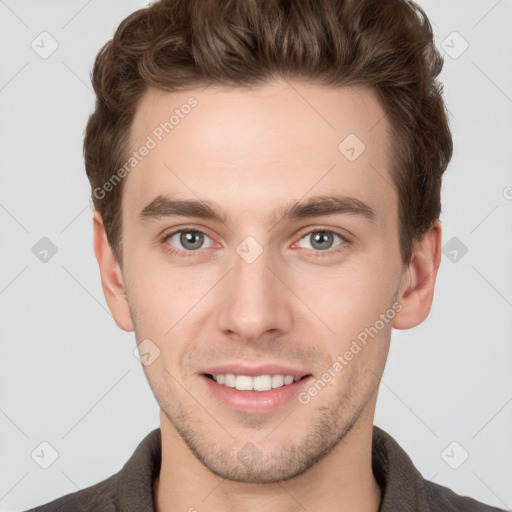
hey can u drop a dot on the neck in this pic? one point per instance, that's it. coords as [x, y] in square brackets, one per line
[342, 481]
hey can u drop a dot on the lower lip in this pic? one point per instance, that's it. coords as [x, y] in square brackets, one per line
[255, 402]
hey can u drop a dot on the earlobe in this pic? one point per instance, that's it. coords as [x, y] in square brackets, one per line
[418, 282]
[111, 277]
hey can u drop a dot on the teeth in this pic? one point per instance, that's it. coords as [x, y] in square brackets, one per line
[229, 380]
[243, 382]
[277, 381]
[258, 383]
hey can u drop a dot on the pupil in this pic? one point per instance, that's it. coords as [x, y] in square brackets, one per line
[322, 237]
[187, 239]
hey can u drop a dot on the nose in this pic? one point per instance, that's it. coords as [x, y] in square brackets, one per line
[255, 301]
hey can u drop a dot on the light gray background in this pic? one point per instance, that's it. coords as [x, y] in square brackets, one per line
[68, 375]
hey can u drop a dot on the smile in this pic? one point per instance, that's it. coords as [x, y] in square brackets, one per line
[256, 383]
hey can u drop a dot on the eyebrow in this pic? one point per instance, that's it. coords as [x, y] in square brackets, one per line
[163, 206]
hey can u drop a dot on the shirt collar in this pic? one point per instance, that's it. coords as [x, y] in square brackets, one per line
[401, 483]
[135, 485]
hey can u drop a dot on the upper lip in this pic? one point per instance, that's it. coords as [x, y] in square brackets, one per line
[254, 370]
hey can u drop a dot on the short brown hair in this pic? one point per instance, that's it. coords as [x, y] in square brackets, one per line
[177, 44]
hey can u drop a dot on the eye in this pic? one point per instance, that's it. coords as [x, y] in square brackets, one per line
[322, 240]
[187, 239]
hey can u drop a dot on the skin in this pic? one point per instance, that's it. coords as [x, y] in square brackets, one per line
[251, 153]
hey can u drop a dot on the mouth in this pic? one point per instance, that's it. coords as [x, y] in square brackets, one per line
[258, 383]
[256, 394]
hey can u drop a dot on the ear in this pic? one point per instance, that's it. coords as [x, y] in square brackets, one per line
[111, 277]
[416, 291]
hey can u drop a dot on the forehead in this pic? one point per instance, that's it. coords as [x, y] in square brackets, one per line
[255, 149]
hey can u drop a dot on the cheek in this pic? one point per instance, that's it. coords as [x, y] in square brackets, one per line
[351, 297]
[150, 295]
[162, 295]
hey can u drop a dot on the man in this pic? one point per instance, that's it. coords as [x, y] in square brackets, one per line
[266, 178]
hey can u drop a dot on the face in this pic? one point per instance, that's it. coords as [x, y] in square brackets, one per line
[235, 261]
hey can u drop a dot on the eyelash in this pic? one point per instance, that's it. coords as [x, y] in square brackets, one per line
[317, 253]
